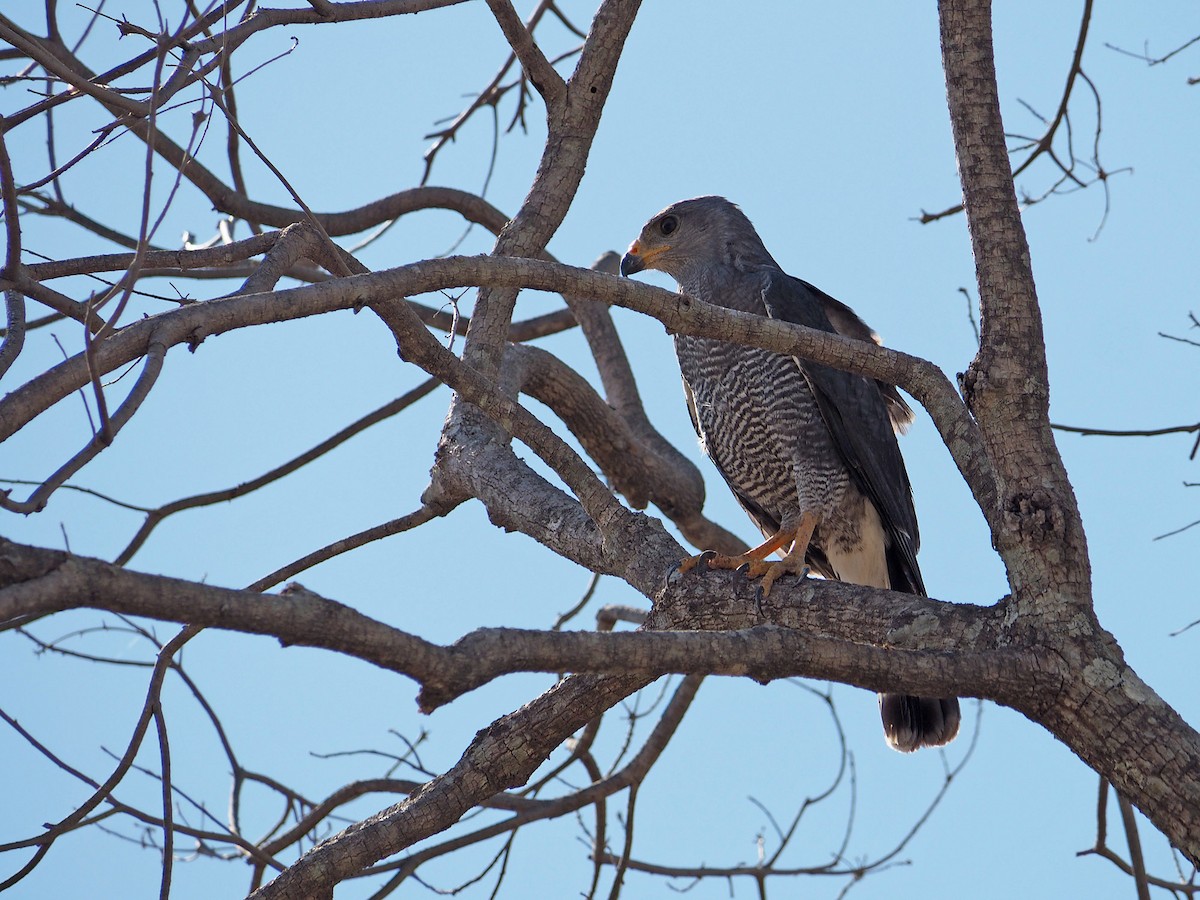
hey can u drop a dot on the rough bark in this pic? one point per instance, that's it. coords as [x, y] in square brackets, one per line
[1040, 650]
[1104, 712]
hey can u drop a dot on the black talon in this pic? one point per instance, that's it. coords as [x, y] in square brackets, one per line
[684, 566]
[673, 574]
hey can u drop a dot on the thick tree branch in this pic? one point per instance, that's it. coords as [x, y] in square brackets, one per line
[823, 629]
[679, 313]
[14, 303]
[418, 346]
[1107, 715]
[1045, 143]
[571, 129]
[1006, 386]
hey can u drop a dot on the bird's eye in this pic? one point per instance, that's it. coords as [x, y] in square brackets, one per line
[668, 224]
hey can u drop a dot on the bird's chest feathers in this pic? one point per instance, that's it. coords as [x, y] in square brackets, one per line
[743, 396]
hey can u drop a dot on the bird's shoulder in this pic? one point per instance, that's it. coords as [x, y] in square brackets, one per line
[791, 299]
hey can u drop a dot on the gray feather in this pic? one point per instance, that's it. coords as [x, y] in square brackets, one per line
[790, 436]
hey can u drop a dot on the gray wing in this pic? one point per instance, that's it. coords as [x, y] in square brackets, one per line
[847, 323]
[856, 412]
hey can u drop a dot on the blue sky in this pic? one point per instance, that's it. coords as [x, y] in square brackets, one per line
[827, 123]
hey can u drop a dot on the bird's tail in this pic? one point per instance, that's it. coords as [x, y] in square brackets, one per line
[910, 723]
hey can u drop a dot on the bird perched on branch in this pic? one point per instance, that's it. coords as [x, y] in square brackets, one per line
[810, 452]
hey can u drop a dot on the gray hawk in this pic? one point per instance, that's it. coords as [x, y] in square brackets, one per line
[810, 452]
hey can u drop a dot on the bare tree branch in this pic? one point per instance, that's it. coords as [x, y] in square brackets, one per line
[539, 70]
[1040, 651]
[40, 581]
[1044, 145]
[193, 323]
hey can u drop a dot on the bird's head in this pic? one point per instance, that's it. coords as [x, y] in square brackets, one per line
[703, 231]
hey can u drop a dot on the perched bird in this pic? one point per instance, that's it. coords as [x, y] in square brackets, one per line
[810, 452]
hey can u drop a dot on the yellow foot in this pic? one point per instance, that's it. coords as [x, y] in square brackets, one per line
[788, 565]
[760, 568]
[690, 562]
[718, 561]
[755, 565]
[795, 537]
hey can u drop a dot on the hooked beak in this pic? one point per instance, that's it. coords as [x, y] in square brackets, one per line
[635, 260]
[631, 263]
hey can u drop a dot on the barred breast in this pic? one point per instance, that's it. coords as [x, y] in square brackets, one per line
[759, 423]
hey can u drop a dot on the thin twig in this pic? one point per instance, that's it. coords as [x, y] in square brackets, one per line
[1108, 432]
[103, 791]
[156, 516]
[1155, 61]
[137, 394]
[345, 545]
[1138, 861]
